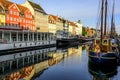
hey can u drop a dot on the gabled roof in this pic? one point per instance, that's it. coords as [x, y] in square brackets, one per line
[53, 17]
[37, 7]
[22, 8]
[6, 3]
[72, 23]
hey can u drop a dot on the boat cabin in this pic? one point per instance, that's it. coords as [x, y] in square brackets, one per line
[105, 45]
[97, 45]
[97, 41]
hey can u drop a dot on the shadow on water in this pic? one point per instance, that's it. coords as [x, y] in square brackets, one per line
[100, 72]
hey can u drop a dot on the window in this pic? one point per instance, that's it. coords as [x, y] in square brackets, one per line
[17, 19]
[105, 42]
[11, 18]
[20, 20]
[2, 17]
[15, 13]
[7, 17]
[97, 41]
[14, 19]
[10, 12]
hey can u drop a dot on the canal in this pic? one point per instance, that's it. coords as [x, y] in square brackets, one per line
[55, 64]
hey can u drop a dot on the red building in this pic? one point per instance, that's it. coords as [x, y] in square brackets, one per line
[17, 15]
[26, 18]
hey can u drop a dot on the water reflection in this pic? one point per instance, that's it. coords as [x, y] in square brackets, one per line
[23, 65]
[69, 63]
[101, 72]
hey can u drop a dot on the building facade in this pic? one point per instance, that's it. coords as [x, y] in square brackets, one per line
[26, 18]
[79, 28]
[59, 23]
[52, 24]
[2, 16]
[40, 16]
[16, 16]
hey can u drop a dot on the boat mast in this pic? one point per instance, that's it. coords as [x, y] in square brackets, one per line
[105, 24]
[112, 21]
[102, 10]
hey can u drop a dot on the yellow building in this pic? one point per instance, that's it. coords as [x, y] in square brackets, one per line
[79, 28]
[59, 23]
[40, 16]
[52, 24]
[2, 16]
[72, 28]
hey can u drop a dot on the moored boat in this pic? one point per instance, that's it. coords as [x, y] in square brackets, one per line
[104, 49]
[100, 72]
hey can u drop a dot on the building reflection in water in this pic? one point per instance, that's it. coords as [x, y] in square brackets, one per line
[100, 72]
[24, 64]
[27, 65]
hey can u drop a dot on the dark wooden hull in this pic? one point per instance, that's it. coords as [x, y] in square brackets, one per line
[86, 40]
[103, 58]
[67, 42]
[100, 71]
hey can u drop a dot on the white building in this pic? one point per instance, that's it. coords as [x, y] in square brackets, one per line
[79, 28]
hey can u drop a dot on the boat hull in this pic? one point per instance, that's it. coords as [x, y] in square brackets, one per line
[103, 58]
[67, 42]
[100, 71]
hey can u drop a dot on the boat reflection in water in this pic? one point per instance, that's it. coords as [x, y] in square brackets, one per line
[101, 72]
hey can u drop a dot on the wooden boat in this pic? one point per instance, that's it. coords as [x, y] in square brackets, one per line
[103, 50]
[100, 72]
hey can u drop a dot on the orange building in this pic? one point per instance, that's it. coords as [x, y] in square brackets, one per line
[12, 13]
[17, 15]
[26, 18]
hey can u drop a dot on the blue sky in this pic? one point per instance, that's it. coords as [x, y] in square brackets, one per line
[84, 10]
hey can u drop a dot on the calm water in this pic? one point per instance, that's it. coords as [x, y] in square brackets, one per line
[55, 64]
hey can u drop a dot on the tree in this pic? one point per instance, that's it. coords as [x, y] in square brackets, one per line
[84, 31]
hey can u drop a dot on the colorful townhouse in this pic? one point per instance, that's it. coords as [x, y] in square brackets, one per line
[16, 16]
[26, 18]
[52, 24]
[19, 28]
[59, 23]
[79, 28]
[40, 16]
[2, 16]
[72, 28]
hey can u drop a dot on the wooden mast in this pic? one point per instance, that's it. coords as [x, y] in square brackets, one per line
[102, 10]
[112, 21]
[105, 24]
